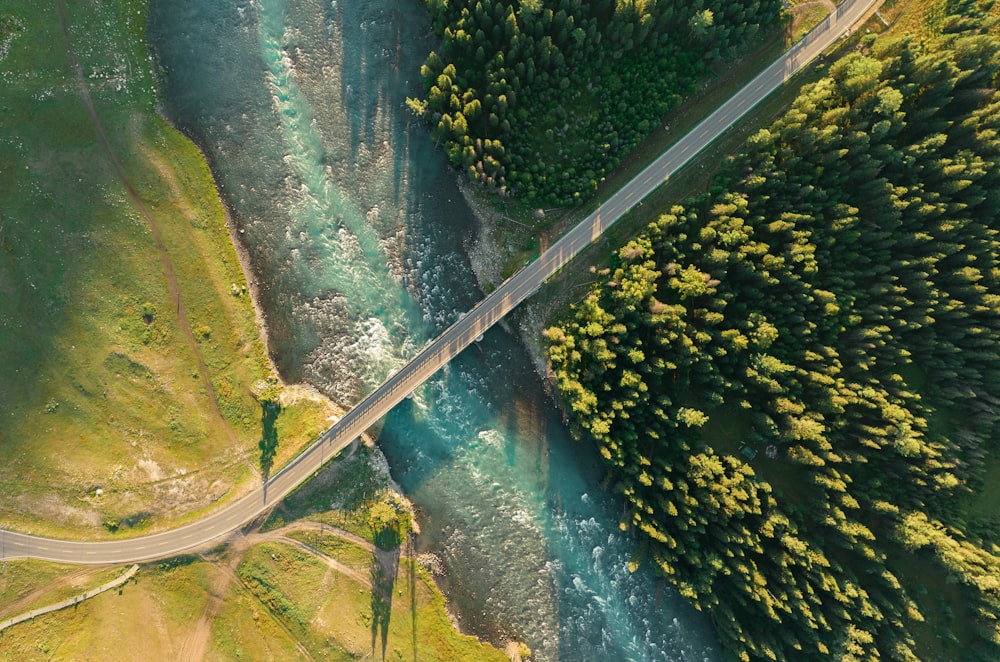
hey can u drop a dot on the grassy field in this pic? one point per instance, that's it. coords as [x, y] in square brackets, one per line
[268, 601]
[261, 597]
[28, 584]
[336, 617]
[349, 553]
[143, 620]
[338, 495]
[128, 342]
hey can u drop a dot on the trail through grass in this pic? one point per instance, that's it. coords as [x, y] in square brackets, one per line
[262, 596]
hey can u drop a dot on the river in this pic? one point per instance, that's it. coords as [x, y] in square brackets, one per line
[357, 234]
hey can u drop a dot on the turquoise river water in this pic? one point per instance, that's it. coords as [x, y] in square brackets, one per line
[357, 234]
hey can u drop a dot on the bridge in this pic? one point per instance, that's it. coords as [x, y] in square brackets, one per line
[460, 335]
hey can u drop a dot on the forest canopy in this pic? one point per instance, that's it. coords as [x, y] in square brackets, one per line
[544, 97]
[795, 378]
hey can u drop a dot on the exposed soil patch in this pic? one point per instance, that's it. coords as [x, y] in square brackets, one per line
[803, 10]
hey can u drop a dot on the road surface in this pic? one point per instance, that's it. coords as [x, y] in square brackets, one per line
[456, 338]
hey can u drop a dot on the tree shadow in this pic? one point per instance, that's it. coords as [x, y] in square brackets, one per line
[384, 520]
[384, 569]
[268, 444]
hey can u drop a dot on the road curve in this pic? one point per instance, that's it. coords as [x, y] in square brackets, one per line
[435, 355]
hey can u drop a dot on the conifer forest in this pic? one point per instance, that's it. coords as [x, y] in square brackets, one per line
[794, 378]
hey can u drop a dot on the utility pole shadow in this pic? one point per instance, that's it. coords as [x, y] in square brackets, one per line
[411, 549]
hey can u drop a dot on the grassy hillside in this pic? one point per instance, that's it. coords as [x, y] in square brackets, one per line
[128, 344]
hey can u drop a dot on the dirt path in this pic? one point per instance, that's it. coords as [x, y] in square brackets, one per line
[281, 535]
[331, 563]
[798, 12]
[198, 640]
[303, 651]
[154, 228]
[309, 525]
[199, 637]
[196, 643]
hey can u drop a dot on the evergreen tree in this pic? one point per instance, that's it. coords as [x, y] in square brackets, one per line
[837, 297]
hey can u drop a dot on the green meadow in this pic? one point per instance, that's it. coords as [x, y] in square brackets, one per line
[129, 348]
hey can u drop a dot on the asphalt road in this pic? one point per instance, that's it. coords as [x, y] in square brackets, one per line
[485, 314]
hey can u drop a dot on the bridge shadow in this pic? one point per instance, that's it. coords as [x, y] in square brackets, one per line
[401, 436]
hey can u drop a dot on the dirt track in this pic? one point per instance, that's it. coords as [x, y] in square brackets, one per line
[168, 268]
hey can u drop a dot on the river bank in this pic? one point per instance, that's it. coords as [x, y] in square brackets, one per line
[128, 348]
[488, 256]
[358, 233]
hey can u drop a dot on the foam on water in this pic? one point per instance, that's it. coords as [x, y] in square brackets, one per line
[332, 237]
[356, 228]
[557, 562]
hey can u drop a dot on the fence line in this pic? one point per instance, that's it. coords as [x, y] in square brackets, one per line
[75, 600]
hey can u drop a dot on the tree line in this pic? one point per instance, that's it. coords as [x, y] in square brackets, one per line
[832, 309]
[543, 98]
